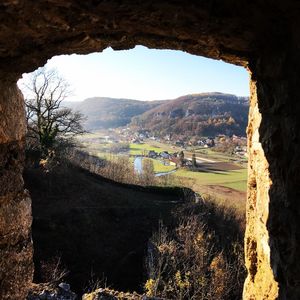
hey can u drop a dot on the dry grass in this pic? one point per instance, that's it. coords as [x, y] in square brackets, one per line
[201, 258]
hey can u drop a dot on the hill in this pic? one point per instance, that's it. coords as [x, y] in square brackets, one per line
[103, 112]
[97, 227]
[206, 114]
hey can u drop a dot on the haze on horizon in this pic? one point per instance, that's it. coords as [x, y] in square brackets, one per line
[147, 74]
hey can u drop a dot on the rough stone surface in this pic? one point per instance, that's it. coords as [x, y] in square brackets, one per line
[262, 35]
[260, 283]
[16, 266]
[48, 291]
[277, 90]
[231, 30]
[108, 294]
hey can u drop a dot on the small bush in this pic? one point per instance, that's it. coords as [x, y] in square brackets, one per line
[119, 147]
[120, 169]
[95, 283]
[191, 261]
[52, 270]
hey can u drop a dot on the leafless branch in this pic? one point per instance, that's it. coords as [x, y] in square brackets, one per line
[47, 121]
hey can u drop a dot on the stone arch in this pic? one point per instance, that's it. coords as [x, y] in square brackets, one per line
[260, 35]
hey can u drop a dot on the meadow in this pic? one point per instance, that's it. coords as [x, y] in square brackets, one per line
[225, 177]
[235, 179]
[141, 149]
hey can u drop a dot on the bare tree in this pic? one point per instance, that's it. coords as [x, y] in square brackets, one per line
[194, 162]
[181, 158]
[148, 175]
[48, 122]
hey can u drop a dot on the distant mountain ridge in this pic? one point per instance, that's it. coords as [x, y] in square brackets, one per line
[105, 112]
[202, 114]
[206, 114]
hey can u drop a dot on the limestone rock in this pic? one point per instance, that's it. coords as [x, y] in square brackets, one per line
[49, 292]
[16, 266]
[262, 35]
[108, 294]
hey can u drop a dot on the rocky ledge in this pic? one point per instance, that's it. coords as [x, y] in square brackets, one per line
[51, 292]
[108, 294]
[62, 291]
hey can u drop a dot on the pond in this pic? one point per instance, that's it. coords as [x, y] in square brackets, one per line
[138, 164]
[138, 167]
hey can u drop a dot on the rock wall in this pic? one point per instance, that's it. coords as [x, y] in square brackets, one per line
[16, 266]
[230, 30]
[260, 283]
[261, 34]
[277, 86]
[272, 238]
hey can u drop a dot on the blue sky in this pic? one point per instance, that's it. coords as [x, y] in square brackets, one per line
[147, 74]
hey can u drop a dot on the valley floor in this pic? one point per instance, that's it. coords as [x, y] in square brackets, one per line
[218, 174]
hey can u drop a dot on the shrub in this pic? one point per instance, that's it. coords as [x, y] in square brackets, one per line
[119, 147]
[191, 261]
[53, 271]
[148, 176]
[120, 169]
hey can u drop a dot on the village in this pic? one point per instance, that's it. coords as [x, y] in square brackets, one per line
[232, 145]
[168, 153]
[237, 145]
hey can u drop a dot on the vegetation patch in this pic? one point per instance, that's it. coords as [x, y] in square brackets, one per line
[95, 226]
[159, 167]
[199, 258]
[233, 178]
[143, 149]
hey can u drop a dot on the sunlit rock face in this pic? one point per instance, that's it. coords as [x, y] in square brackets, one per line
[260, 283]
[262, 35]
[275, 207]
[16, 266]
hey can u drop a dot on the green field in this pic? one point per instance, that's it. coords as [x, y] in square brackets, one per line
[140, 149]
[143, 149]
[219, 156]
[235, 179]
[102, 150]
[160, 168]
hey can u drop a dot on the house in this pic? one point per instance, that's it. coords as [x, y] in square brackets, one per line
[164, 154]
[175, 161]
[179, 143]
[152, 154]
[167, 137]
[188, 163]
[200, 143]
[210, 142]
[136, 141]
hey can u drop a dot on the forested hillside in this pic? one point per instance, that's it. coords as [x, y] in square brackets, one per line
[206, 114]
[102, 112]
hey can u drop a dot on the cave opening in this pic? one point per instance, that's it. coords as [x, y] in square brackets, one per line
[92, 238]
[259, 35]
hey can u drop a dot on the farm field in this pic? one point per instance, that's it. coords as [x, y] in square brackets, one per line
[102, 151]
[140, 149]
[220, 174]
[235, 179]
[160, 168]
[223, 171]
